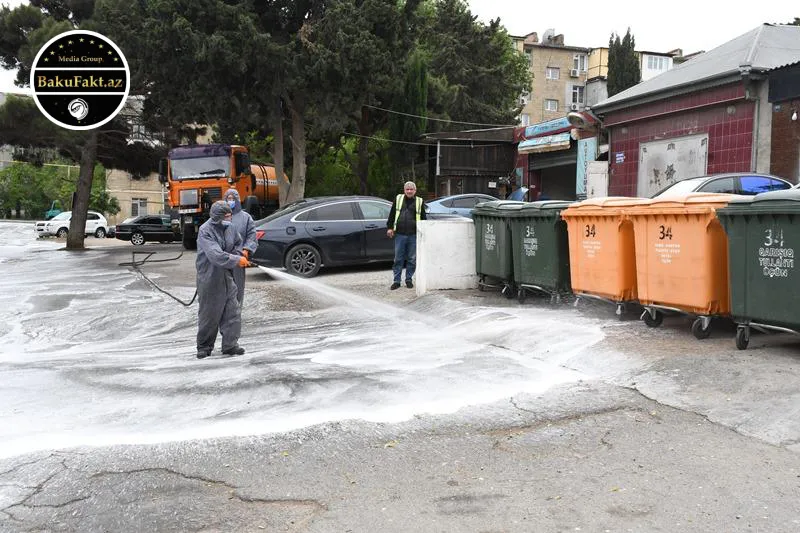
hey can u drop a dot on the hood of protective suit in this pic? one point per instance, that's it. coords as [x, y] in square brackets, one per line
[235, 194]
[218, 210]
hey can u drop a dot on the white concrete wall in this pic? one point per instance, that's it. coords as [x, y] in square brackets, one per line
[445, 255]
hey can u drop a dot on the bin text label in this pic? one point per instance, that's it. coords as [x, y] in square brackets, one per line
[489, 238]
[775, 260]
[530, 243]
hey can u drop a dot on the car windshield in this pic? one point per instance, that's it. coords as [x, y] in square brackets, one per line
[199, 167]
[681, 187]
[62, 216]
[128, 220]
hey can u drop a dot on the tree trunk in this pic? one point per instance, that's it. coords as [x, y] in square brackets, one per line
[283, 184]
[77, 224]
[298, 189]
[363, 150]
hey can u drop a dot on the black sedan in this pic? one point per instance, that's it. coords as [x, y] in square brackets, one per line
[316, 232]
[146, 228]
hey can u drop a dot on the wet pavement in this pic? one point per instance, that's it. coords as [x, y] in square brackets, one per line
[356, 408]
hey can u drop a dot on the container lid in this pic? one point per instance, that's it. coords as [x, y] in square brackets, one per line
[496, 206]
[546, 205]
[784, 201]
[790, 195]
[695, 198]
[605, 205]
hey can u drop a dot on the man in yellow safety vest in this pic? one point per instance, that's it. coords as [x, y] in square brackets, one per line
[407, 210]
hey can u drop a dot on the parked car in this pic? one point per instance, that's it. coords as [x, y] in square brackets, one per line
[96, 225]
[315, 232]
[146, 228]
[457, 204]
[746, 183]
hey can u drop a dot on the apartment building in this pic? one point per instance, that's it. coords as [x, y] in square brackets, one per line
[559, 77]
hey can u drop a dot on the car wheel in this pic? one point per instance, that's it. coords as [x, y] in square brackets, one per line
[137, 239]
[100, 233]
[62, 233]
[303, 260]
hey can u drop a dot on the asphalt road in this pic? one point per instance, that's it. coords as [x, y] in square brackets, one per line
[654, 431]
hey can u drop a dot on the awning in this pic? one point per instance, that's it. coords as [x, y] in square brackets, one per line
[548, 143]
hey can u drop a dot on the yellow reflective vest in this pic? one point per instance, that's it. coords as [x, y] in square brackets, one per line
[398, 205]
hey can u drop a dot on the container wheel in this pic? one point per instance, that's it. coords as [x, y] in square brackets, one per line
[698, 331]
[521, 295]
[650, 320]
[481, 281]
[742, 337]
[508, 291]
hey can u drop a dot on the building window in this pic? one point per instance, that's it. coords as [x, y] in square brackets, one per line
[525, 119]
[577, 94]
[529, 55]
[551, 105]
[580, 62]
[552, 73]
[138, 207]
[657, 63]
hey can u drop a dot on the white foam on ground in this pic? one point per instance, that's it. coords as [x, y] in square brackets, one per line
[90, 356]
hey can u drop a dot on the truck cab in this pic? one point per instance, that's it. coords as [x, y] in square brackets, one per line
[196, 176]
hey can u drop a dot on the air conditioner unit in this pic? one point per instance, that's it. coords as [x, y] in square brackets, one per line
[574, 73]
[574, 107]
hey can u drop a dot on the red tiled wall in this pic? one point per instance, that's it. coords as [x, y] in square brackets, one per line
[785, 152]
[730, 135]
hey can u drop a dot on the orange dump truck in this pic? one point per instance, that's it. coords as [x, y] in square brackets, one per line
[196, 176]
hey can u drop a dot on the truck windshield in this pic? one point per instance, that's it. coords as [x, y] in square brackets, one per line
[200, 167]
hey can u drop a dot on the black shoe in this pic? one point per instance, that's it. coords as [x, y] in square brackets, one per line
[202, 354]
[394, 286]
[409, 284]
[236, 350]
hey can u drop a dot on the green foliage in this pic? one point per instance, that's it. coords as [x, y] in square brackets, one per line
[623, 63]
[329, 170]
[33, 188]
[477, 75]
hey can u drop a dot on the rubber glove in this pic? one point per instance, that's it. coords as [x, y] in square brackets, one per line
[244, 263]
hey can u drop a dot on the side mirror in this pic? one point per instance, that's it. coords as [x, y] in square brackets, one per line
[162, 171]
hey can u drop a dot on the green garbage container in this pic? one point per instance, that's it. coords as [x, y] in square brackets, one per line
[540, 247]
[493, 256]
[763, 240]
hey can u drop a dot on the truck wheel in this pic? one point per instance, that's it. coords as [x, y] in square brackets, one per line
[189, 237]
[303, 260]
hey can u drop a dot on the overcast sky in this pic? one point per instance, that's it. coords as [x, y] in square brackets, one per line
[691, 25]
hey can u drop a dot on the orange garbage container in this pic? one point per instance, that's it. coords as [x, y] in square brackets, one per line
[601, 249]
[682, 258]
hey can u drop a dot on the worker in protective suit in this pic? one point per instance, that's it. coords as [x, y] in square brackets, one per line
[246, 228]
[217, 259]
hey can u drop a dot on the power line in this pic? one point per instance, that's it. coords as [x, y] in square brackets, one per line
[442, 119]
[471, 145]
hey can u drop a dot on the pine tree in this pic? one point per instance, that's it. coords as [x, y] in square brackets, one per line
[623, 63]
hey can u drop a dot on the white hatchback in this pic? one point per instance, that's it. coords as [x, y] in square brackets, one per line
[96, 224]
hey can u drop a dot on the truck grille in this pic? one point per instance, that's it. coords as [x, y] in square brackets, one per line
[213, 194]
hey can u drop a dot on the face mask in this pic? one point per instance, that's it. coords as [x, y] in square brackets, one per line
[232, 203]
[226, 223]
